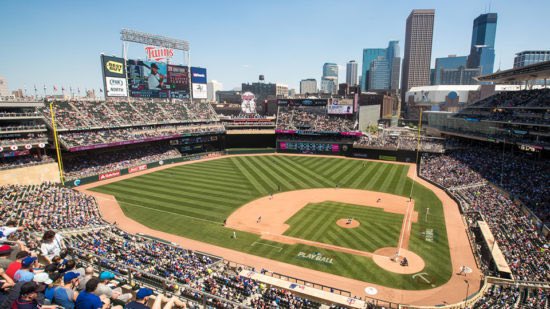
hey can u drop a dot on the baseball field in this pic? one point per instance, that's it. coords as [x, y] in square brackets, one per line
[194, 200]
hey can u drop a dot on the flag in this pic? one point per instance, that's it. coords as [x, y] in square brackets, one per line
[35, 88]
[44, 87]
[62, 89]
[54, 88]
[100, 90]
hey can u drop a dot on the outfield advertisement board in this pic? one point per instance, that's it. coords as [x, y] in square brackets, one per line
[114, 76]
[136, 169]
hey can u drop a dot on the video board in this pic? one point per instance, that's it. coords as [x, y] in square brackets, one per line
[148, 79]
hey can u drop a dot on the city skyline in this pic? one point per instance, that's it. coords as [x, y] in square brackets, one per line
[71, 56]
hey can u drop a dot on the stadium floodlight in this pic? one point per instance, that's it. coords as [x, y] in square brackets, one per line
[128, 35]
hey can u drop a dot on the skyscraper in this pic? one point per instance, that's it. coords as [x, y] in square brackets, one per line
[351, 73]
[329, 81]
[381, 67]
[418, 50]
[308, 86]
[369, 55]
[482, 50]
[379, 74]
[394, 57]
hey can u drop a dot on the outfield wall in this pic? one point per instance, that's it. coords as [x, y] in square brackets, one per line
[386, 155]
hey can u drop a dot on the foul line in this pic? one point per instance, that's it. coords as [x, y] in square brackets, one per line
[160, 210]
[261, 243]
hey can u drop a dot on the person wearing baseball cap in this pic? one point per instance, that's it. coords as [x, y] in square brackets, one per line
[88, 300]
[25, 274]
[155, 79]
[16, 265]
[142, 296]
[103, 288]
[65, 295]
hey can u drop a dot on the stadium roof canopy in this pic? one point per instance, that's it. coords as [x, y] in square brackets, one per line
[535, 71]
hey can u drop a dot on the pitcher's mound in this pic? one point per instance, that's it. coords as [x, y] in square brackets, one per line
[345, 223]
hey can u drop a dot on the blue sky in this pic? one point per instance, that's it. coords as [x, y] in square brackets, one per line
[59, 42]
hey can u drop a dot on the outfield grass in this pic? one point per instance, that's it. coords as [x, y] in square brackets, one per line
[317, 222]
[193, 200]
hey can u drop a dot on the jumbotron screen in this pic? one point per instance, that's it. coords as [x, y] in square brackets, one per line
[148, 79]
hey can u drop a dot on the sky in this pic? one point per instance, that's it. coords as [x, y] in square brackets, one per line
[59, 42]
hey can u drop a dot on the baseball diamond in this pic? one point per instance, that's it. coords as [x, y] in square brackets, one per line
[193, 200]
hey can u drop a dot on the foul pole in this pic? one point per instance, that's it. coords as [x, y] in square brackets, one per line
[417, 153]
[56, 141]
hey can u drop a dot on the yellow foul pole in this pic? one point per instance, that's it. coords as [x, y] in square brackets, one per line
[56, 141]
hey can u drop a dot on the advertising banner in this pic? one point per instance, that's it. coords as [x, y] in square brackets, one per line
[116, 87]
[114, 76]
[306, 102]
[136, 169]
[178, 81]
[199, 91]
[109, 175]
[340, 106]
[148, 79]
[198, 75]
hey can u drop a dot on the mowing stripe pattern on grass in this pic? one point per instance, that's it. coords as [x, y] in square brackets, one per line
[193, 200]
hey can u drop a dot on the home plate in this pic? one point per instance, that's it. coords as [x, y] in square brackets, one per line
[371, 291]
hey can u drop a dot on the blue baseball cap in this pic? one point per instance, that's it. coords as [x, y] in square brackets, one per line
[68, 277]
[28, 261]
[106, 275]
[143, 292]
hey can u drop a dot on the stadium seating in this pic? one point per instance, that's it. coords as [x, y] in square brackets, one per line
[519, 239]
[312, 118]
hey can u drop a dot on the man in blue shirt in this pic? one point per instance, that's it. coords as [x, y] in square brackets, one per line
[88, 300]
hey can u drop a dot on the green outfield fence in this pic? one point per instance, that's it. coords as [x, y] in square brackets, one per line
[235, 151]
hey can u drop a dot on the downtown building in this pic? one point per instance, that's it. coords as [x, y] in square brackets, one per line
[381, 68]
[418, 51]
[452, 70]
[308, 86]
[529, 57]
[329, 80]
[351, 73]
[212, 87]
[482, 49]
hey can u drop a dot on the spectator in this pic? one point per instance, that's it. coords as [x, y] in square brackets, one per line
[10, 228]
[16, 265]
[88, 300]
[66, 295]
[27, 297]
[25, 273]
[52, 244]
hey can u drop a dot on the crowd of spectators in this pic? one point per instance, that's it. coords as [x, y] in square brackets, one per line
[509, 296]
[31, 138]
[24, 161]
[23, 127]
[81, 115]
[522, 98]
[88, 138]
[533, 116]
[401, 142]
[313, 118]
[525, 179]
[520, 240]
[79, 167]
